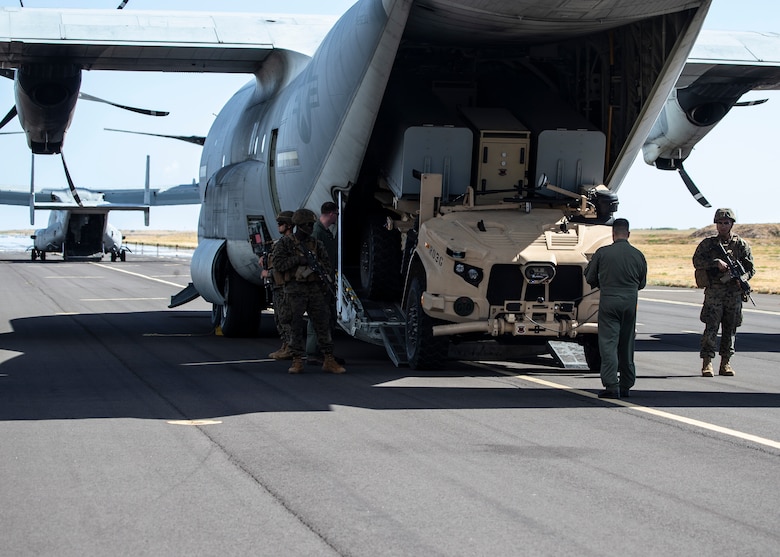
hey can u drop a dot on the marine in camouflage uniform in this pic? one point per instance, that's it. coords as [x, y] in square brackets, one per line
[619, 270]
[305, 291]
[281, 307]
[329, 213]
[723, 296]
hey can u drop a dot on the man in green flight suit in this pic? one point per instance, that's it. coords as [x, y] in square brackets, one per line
[723, 295]
[619, 270]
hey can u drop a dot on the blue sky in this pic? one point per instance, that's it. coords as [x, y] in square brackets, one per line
[732, 165]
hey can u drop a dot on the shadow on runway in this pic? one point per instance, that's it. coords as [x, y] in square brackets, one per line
[169, 365]
[689, 342]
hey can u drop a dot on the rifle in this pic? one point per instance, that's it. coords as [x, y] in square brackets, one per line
[314, 265]
[738, 273]
[262, 245]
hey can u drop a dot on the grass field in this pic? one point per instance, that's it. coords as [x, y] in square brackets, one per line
[668, 252]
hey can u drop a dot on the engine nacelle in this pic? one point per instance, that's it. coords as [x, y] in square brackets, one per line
[678, 129]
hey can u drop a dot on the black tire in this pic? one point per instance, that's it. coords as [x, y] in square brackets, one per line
[43, 256]
[590, 345]
[423, 350]
[240, 316]
[123, 256]
[33, 255]
[113, 257]
[380, 262]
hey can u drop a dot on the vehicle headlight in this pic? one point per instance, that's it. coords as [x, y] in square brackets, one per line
[472, 275]
[539, 273]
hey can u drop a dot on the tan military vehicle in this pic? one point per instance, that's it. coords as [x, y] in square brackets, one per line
[492, 266]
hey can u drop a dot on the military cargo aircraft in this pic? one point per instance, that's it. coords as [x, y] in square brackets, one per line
[78, 228]
[476, 147]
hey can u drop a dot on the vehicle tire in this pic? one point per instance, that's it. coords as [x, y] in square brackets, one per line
[423, 350]
[240, 316]
[113, 257]
[590, 345]
[33, 255]
[43, 256]
[122, 256]
[380, 261]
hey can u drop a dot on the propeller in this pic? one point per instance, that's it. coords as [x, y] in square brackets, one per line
[697, 195]
[145, 111]
[32, 189]
[8, 117]
[71, 185]
[751, 103]
[196, 139]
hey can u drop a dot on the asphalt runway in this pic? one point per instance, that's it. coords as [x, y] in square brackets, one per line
[131, 429]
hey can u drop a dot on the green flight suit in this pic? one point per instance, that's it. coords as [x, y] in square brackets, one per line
[619, 270]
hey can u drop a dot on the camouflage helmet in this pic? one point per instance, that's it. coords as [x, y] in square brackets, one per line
[304, 216]
[725, 213]
[285, 217]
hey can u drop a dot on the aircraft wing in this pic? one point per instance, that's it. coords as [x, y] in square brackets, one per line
[722, 66]
[155, 40]
[728, 59]
[114, 200]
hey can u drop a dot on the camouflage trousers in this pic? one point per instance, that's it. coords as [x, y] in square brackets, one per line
[722, 309]
[308, 297]
[282, 315]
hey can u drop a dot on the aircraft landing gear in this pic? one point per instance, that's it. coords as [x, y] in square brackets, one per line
[240, 316]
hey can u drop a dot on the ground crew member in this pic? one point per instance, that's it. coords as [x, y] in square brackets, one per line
[619, 270]
[281, 307]
[723, 295]
[305, 290]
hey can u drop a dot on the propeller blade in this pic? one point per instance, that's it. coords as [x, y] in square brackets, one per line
[123, 4]
[144, 111]
[8, 117]
[751, 103]
[196, 139]
[697, 195]
[71, 185]
[32, 189]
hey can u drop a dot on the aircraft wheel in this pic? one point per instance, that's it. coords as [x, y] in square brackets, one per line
[240, 316]
[123, 256]
[113, 257]
[43, 256]
[590, 345]
[423, 350]
[33, 255]
[380, 261]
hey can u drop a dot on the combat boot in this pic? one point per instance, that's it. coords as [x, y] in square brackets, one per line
[297, 365]
[725, 367]
[284, 353]
[706, 367]
[330, 365]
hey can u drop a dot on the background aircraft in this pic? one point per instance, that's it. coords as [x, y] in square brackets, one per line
[309, 128]
[78, 226]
